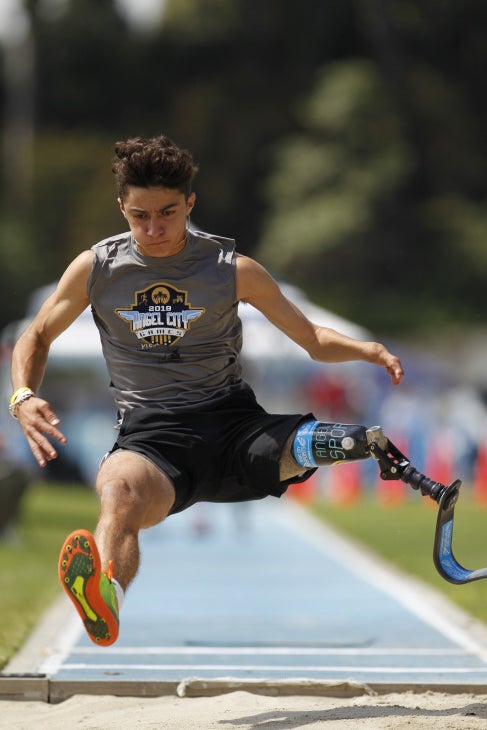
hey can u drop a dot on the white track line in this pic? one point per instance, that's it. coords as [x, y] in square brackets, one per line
[264, 651]
[129, 668]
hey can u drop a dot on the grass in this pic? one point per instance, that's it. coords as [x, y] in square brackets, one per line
[28, 560]
[404, 535]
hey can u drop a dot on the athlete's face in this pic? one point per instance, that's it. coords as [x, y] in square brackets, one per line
[157, 218]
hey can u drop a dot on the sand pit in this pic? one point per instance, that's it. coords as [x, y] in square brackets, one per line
[245, 711]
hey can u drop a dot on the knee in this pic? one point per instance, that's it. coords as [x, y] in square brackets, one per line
[120, 500]
[133, 504]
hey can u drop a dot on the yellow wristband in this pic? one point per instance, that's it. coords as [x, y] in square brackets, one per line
[20, 392]
[20, 395]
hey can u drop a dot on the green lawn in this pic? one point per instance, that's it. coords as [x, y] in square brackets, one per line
[402, 534]
[28, 561]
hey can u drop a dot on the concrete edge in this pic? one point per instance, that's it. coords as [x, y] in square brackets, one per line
[30, 689]
[25, 688]
[64, 689]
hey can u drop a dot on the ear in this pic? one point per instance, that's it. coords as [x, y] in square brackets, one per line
[190, 203]
[121, 206]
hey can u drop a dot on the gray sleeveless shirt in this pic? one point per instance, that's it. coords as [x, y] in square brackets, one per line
[169, 326]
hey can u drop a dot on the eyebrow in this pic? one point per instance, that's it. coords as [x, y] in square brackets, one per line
[161, 210]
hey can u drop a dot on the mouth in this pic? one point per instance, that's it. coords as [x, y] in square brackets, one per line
[153, 243]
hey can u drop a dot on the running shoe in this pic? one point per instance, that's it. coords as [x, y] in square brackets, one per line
[89, 587]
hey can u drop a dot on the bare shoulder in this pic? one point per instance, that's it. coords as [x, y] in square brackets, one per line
[253, 280]
[64, 305]
[81, 265]
[75, 277]
[71, 292]
[246, 265]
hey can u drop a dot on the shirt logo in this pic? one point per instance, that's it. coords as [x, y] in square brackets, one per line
[160, 315]
[226, 256]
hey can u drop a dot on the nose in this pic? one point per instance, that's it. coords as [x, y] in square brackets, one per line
[154, 227]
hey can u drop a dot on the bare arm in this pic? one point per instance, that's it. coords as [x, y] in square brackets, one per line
[30, 355]
[256, 286]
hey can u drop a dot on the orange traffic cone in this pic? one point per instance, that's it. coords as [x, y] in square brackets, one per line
[390, 492]
[480, 476]
[440, 461]
[304, 492]
[344, 483]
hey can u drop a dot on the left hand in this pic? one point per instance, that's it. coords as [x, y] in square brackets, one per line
[383, 358]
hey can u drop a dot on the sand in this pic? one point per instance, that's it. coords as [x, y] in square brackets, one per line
[246, 711]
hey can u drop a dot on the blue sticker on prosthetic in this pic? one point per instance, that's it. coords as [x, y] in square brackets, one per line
[303, 444]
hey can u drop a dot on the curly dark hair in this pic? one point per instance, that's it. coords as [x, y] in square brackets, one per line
[153, 162]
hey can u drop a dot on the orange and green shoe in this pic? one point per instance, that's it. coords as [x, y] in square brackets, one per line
[89, 587]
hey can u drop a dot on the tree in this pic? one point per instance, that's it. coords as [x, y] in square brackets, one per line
[382, 188]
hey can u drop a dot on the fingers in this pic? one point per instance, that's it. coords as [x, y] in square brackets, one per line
[42, 449]
[39, 424]
[381, 356]
[51, 418]
[396, 377]
[396, 371]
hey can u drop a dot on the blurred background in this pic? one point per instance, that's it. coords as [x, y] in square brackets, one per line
[341, 143]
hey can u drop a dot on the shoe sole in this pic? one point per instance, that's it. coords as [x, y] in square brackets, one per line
[80, 572]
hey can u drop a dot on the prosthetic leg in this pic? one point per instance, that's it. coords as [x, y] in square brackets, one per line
[394, 465]
[317, 444]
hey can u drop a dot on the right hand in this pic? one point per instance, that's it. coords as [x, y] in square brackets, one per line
[38, 421]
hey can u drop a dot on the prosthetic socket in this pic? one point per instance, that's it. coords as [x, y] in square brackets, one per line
[319, 444]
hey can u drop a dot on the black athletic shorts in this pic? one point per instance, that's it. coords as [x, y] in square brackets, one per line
[227, 451]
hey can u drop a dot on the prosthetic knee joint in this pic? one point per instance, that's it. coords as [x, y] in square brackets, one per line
[319, 444]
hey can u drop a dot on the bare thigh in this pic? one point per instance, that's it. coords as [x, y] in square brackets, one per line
[133, 488]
